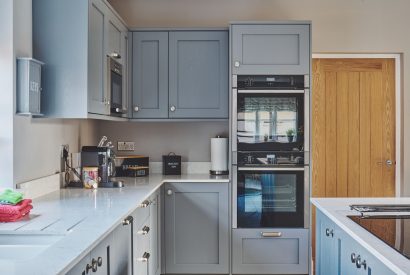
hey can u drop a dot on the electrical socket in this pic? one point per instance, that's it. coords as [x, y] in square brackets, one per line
[125, 146]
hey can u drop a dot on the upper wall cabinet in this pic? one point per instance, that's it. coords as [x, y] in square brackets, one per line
[180, 75]
[150, 74]
[270, 49]
[74, 39]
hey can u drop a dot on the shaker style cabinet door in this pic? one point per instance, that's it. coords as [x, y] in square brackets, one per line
[97, 62]
[196, 228]
[150, 74]
[121, 250]
[198, 74]
[270, 49]
[327, 240]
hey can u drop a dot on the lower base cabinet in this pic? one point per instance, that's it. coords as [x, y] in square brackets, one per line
[196, 228]
[111, 256]
[286, 252]
[338, 253]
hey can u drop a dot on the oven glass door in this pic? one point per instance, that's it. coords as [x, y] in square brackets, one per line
[116, 90]
[270, 198]
[270, 121]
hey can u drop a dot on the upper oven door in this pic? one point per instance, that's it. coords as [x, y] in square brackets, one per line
[270, 120]
[115, 86]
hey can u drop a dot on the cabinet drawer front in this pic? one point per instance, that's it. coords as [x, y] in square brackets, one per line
[140, 215]
[262, 49]
[254, 254]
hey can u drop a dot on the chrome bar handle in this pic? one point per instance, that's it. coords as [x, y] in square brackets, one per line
[271, 91]
[271, 234]
[271, 168]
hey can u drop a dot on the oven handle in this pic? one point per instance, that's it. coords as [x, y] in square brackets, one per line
[271, 234]
[271, 168]
[271, 91]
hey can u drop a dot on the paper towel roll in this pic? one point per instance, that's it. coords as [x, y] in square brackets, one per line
[219, 154]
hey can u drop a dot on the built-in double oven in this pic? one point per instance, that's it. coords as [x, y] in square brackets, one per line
[270, 146]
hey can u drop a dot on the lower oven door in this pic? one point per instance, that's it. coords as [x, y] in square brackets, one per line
[270, 197]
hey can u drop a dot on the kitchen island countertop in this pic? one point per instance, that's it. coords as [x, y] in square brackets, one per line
[337, 210]
[84, 218]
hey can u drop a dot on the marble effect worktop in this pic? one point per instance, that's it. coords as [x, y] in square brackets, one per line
[85, 217]
[337, 210]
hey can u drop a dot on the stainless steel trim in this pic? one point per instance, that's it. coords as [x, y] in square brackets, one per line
[271, 91]
[234, 196]
[271, 234]
[307, 121]
[307, 80]
[234, 120]
[271, 168]
[234, 81]
[306, 197]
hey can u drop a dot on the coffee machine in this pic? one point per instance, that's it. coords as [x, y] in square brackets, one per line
[103, 158]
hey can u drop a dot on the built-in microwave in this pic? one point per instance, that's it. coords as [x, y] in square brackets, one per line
[115, 86]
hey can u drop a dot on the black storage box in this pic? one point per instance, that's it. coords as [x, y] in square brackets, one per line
[171, 164]
[131, 166]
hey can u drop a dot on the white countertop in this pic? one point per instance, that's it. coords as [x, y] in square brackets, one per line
[86, 217]
[338, 208]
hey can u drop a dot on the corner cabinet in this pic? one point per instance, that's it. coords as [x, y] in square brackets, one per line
[180, 74]
[74, 38]
[200, 247]
[271, 48]
[338, 253]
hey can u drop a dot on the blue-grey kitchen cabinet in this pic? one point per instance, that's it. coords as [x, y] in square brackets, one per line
[281, 48]
[284, 252]
[111, 256]
[73, 38]
[198, 74]
[196, 228]
[328, 246]
[338, 254]
[180, 74]
[150, 74]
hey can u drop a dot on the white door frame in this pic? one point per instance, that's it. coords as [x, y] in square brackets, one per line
[397, 57]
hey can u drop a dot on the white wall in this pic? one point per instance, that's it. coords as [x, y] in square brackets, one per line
[37, 142]
[191, 140]
[339, 26]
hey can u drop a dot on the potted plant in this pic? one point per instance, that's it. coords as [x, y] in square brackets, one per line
[290, 133]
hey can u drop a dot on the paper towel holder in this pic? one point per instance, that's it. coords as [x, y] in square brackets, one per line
[219, 172]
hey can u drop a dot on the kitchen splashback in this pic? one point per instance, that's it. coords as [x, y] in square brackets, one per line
[191, 140]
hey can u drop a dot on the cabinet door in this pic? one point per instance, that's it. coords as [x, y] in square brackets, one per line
[271, 49]
[327, 243]
[101, 254]
[121, 250]
[150, 74]
[114, 32]
[155, 240]
[198, 74]
[270, 251]
[97, 61]
[142, 253]
[80, 267]
[196, 228]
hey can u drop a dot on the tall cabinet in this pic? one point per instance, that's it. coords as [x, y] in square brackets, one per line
[74, 39]
[180, 74]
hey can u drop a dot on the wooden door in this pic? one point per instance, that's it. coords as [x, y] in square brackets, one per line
[353, 128]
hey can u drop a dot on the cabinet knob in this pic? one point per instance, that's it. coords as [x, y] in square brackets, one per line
[88, 267]
[99, 261]
[108, 102]
[237, 64]
[143, 231]
[144, 257]
[128, 220]
[136, 108]
[144, 204]
[360, 263]
[115, 55]
[94, 265]
[169, 192]
[329, 232]
[353, 257]
[172, 108]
